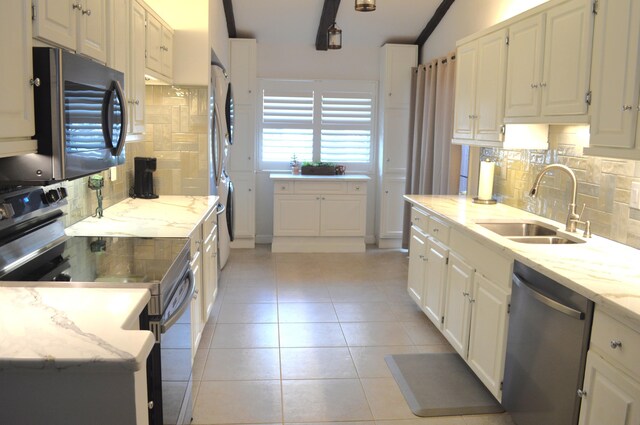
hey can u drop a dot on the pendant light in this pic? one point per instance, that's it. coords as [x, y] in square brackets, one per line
[334, 35]
[365, 5]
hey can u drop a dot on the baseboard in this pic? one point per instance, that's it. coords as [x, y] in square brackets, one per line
[263, 239]
[317, 244]
[391, 243]
[243, 243]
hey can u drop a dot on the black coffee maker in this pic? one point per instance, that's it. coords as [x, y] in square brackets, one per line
[143, 177]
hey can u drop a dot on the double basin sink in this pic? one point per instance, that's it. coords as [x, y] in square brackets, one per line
[529, 232]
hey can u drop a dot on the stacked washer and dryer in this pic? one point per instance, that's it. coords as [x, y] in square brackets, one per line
[220, 140]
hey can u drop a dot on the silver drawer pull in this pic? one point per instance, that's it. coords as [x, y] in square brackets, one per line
[582, 394]
[615, 344]
[436, 230]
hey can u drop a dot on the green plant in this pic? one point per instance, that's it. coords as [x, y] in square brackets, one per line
[294, 161]
[318, 164]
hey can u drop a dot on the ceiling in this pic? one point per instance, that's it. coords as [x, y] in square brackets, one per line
[296, 21]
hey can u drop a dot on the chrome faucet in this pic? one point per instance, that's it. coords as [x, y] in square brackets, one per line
[572, 217]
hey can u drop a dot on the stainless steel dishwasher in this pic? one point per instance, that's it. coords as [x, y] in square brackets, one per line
[549, 328]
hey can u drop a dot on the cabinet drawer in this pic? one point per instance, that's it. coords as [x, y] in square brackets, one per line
[607, 332]
[282, 187]
[358, 188]
[320, 187]
[420, 219]
[439, 229]
[209, 224]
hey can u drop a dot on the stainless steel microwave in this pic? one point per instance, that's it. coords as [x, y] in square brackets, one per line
[80, 120]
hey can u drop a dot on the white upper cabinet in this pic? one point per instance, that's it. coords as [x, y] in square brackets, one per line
[79, 25]
[136, 88]
[615, 80]
[159, 45]
[480, 86]
[548, 65]
[16, 84]
[243, 70]
[119, 30]
[397, 61]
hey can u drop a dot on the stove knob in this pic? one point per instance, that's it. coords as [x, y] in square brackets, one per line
[63, 192]
[6, 211]
[53, 196]
[62, 277]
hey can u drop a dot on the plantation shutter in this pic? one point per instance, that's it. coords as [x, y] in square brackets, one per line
[346, 127]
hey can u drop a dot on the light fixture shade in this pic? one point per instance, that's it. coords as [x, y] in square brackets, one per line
[365, 5]
[334, 35]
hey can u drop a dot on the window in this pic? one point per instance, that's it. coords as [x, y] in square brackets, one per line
[328, 121]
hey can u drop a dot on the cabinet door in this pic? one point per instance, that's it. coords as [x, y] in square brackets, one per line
[136, 77]
[16, 103]
[392, 207]
[488, 332]
[417, 263]
[296, 215]
[244, 208]
[119, 39]
[166, 56]
[210, 273]
[435, 282]
[92, 30]
[457, 304]
[242, 153]
[56, 21]
[491, 75]
[524, 67]
[466, 58]
[612, 398]
[196, 303]
[396, 136]
[615, 80]
[243, 70]
[566, 59]
[399, 59]
[154, 41]
[343, 215]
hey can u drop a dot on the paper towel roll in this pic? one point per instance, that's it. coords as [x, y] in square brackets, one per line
[485, 185]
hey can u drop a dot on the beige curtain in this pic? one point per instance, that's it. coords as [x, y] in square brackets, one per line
[433, 163]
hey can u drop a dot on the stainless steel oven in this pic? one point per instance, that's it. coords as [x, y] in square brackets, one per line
[34, 249]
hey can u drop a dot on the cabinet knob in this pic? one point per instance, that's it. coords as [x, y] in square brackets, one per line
[77, 6]
[323, 198]
[150, 405]
[543, 84]
[249, 189]
[615, 344]
[436, 230]
[627, 107]
[87, 12]
[35, 82]
[534, 86]
[465, 294]
[284, 188]
[386, 191]
[582, 393]
[317, 198]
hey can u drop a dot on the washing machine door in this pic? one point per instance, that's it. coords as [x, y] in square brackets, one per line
[224, 238]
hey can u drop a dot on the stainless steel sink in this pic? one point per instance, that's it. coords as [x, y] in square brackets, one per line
[520, 229]
[545, 240]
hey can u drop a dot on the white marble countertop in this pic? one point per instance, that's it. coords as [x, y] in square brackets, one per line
[59, 328]
[307, 177]
[606, 272]
[166, 216]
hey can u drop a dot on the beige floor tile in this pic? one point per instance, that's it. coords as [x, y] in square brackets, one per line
[303, 293]
[248, 335]
[408, 312]
[364, 312]
[207, 334]
[436, 348]
[440, 420]
[237, 364]
[371, 334]
[498, 419]
[356, 293]
[198, 363]
[311, 335]
[370, 362]
[306, 312]
[423, 334]
[324, 400]
[238, 402]
[385, 399]
[250, 294]
[249, 313]
[334, 423]
[317, 363]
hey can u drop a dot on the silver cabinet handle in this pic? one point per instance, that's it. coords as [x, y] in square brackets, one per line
[35, 82]
[87, 12]
[77, 6]
[582, 393]
[573, 313]
[534, 86]
[543, 84]
[465, 294]
[627, 107]
[615, 344]
[150, 405]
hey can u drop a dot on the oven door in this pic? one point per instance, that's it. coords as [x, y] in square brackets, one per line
[169, 367]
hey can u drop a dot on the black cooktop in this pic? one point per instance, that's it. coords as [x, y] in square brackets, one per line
[102, 259]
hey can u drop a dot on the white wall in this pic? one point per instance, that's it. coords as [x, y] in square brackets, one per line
[468, 16]
[190, 58]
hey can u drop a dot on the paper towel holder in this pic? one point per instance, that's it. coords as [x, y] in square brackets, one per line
[477, 200]
[485, 184]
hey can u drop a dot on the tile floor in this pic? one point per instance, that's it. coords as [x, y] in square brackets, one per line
[301, 338]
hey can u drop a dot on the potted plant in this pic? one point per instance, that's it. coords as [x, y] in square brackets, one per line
[295, 165]
[318, 168]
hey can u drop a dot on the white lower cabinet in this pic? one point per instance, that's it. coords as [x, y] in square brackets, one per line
[197, 324]
[488, 331]
[457, 309]
[437, 257]
[417, 263]
[296, 215]
[612, 397]
[209, 264]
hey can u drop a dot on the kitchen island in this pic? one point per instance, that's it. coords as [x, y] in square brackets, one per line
[73, 356]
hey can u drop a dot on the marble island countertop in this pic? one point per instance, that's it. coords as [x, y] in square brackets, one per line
[606, 272]
[310, 177]
[166, 216]
[81, 328]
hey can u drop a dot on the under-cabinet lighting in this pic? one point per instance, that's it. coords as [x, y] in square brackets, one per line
[526, 136]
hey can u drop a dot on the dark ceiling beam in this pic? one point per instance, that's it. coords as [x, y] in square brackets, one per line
[231, 20]
[328, 17]
[433, 22]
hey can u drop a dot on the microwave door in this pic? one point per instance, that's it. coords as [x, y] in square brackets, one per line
[114, 119]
